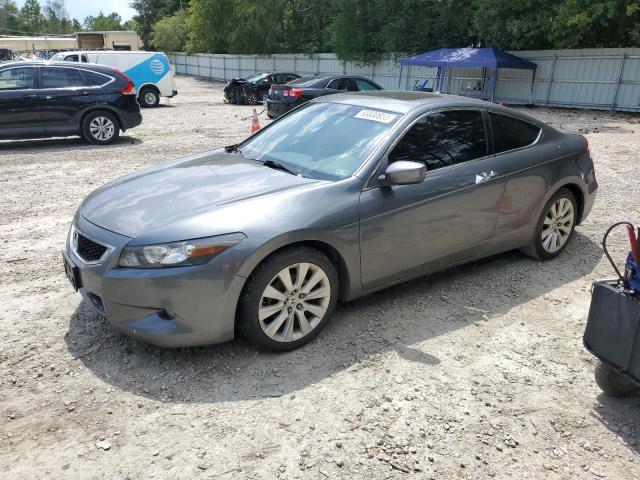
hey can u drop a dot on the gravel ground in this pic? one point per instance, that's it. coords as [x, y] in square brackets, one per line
[477, 372]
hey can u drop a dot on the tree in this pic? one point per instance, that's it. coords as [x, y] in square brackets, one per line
[150, 12]
[55, 17]
[596, 23]
[9, 22]
[513, 25]
[131, 25]
[30, 17]
[103, 22]
[170, 33]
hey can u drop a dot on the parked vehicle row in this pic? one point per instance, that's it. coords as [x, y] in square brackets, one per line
[46, 99]
[345, 195]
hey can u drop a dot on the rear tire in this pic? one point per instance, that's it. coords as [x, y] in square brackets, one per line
[555, 226]
[148, 97]
[614, 384]
[100, 127]
[288, 299]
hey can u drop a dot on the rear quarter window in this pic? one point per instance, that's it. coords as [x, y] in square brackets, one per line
[94, 79]
[510, 133]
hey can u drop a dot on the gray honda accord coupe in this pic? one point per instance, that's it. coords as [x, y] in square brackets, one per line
[343, 196]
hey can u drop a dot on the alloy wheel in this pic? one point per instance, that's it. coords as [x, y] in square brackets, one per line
[102, 128]
[558, 225]
[294, 302]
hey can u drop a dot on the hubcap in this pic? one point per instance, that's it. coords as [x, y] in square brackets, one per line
[294, 302]
[101, 128]
[150, 98]
[557, 225]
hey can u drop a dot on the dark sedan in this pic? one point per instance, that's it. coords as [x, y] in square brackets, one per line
[49, 99]
[346, 195]
[252, 90]
[283, 98]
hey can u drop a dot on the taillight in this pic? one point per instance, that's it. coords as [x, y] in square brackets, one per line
[129, 88]
[293, 92]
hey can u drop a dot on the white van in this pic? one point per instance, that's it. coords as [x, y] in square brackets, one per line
[150, 71]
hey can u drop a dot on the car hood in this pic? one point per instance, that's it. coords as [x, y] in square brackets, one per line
[160, 196]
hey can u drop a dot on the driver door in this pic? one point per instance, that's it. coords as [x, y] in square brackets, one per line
[408, 230]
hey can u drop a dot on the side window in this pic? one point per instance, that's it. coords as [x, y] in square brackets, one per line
[510, 133]
[71, 58]
[16, 79]
[442, 139]
[364, 85]
[84, 59]
[61, 78]
[339, 84]
[92, 79]
[288, 77]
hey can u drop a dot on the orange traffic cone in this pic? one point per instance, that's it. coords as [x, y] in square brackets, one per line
[255, 124]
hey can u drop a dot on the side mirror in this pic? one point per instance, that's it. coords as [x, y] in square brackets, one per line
[403, 173]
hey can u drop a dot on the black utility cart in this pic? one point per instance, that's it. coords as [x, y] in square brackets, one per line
[613, 327]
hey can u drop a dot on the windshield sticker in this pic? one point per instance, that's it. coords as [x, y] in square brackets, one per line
[376, 116]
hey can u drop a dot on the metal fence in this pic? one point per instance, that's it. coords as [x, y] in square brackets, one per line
[606, 78]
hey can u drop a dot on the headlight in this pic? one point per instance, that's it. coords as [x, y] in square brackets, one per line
[177, 254]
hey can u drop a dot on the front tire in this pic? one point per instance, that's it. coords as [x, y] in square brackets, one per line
[288, 299]
[614, 384]
[148, 97]
[555, 226]
[100, 127]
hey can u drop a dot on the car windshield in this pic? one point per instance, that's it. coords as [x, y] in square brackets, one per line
[327, 141]
[255, 78]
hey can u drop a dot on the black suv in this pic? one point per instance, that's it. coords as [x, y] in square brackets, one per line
[47, 99]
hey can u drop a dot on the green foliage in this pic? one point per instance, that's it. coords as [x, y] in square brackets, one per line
[9, 22]
[103, 22]
[603, 23]
[366, 30]
[170, 33]
[150, 12]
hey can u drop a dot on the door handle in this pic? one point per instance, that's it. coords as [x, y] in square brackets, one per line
[486, 176]
[48, 97]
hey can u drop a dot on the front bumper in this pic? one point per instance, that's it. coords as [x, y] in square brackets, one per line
[169, 307]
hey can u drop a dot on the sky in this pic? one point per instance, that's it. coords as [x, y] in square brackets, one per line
[83, 8]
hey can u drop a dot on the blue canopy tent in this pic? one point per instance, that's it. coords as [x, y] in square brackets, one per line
[469, 58]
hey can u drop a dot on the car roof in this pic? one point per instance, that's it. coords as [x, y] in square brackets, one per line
[82, 66]
[404, 102]
[109, 52]
[313, 80]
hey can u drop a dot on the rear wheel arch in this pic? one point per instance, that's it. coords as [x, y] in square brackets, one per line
[100, 108]
[579, 196]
